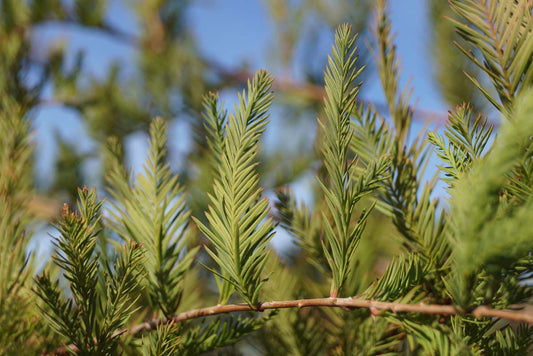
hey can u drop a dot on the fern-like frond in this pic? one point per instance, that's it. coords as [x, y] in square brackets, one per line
[388, 65]
[399, 190]
[239, 229]
[487, 229]
[77, 243]
[215, 119]
[501, 31]
[404, 273]
[152, 211]
[467, 137]
[122, 279]
[344, 187]
[90, 318]
[402, 194]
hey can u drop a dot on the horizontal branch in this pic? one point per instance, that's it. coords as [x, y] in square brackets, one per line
[346, 303]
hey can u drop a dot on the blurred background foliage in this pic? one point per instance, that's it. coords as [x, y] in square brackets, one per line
[167, 75]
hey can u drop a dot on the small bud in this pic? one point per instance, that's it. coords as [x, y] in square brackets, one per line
[65, 211]
[374, 312]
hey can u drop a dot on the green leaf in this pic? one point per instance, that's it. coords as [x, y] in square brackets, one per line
[239, 229]
[467, 137]
[91, 316]
[499, 30]
[152, 211]
[343, 188]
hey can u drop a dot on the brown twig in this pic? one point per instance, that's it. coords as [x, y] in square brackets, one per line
[344, 303]
[479, 312]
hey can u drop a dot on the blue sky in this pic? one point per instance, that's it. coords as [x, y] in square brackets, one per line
[240, 30]
[232, 32]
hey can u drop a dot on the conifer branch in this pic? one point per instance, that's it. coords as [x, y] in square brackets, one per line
[499, 36]
[239, 228]
[153, 211]
[470, 263]
[348, 303]
[341, 194]
[345, 303]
